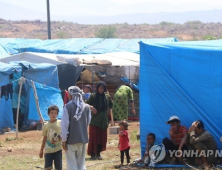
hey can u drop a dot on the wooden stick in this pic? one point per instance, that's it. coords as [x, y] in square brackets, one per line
[111, 114]
[17, 118]
[37, 102]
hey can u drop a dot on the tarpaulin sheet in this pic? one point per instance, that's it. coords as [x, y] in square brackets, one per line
[6, 115]
[43, 73]
[132, 45]
[47, 96]
[75, 45]
[182, 79]
[64, 46]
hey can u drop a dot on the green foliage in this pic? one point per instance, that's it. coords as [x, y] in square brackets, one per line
[133, 135]
[12, 138]
[106, 32]
[164, 23]
[209, 37]
[61, 35]
[193, 22]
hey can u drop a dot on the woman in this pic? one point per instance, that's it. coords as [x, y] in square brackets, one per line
[100, 103]
[121, 99]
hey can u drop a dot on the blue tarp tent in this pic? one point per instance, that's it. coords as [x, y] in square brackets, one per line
[182, 79]
[75, 45]
[6, 115]
[46, 81]
[43, 73]
[47, 96]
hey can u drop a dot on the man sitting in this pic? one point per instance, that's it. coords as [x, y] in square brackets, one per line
[178, 135]
[203, 142]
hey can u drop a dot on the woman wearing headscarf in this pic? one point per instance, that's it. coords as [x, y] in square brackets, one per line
[121, 100]
[100, 103]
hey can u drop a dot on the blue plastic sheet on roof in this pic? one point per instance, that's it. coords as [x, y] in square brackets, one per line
[6, 51]
[43, 73]
[182, 79]
[6, 70]
[47, 96]
[132, 45]
[105, 46]
[75, 45]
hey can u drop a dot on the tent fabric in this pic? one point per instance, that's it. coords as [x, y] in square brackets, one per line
[164, 166]
[63, 46]
[43, 73]
[33, 58]
[5, 71]
[3, 52]
[68, 75]
[182, 79]
[73, 45]
[132, 45]
[6, 115]
[47, 96]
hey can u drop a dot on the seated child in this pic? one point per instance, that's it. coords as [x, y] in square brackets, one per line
[151, 137]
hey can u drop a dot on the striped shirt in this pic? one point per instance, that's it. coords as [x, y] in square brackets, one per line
[178, 135]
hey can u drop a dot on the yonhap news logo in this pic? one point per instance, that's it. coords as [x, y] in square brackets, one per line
[195, 153]
[157, 153]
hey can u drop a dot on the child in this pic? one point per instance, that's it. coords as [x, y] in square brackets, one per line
[52, 140]
[151, 137]
[124, 145]
[87, 92]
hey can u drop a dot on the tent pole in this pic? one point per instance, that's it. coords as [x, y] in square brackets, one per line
[37, 102]
[21, 80]
[93, 74]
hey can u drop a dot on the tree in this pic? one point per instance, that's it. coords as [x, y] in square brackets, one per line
[107, 31]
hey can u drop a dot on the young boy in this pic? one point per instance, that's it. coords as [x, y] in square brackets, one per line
[151, 141]
[177, 141]
[52, 140]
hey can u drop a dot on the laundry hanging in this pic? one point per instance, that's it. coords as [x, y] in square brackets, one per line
[7, 91]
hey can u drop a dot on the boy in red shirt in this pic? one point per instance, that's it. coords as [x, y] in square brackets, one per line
[124, 145]
[178, 136]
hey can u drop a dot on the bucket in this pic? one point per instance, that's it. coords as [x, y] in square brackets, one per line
[39, 126]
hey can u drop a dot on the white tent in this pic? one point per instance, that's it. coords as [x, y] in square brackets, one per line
[112, 65]
[116, 58]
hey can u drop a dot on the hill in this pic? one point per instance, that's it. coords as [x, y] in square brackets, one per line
[19, 12]
[191, 30]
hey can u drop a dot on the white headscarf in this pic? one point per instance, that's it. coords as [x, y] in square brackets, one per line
[76, 94]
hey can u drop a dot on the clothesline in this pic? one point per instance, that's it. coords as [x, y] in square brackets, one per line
[25, 79]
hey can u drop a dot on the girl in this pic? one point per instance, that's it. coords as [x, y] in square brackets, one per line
[124, 145]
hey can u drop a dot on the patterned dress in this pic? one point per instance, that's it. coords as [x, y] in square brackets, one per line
[121, 100]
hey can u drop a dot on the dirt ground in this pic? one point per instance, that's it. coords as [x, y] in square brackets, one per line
[22, 153]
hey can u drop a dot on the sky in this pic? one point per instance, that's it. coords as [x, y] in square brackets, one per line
[114, 7]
